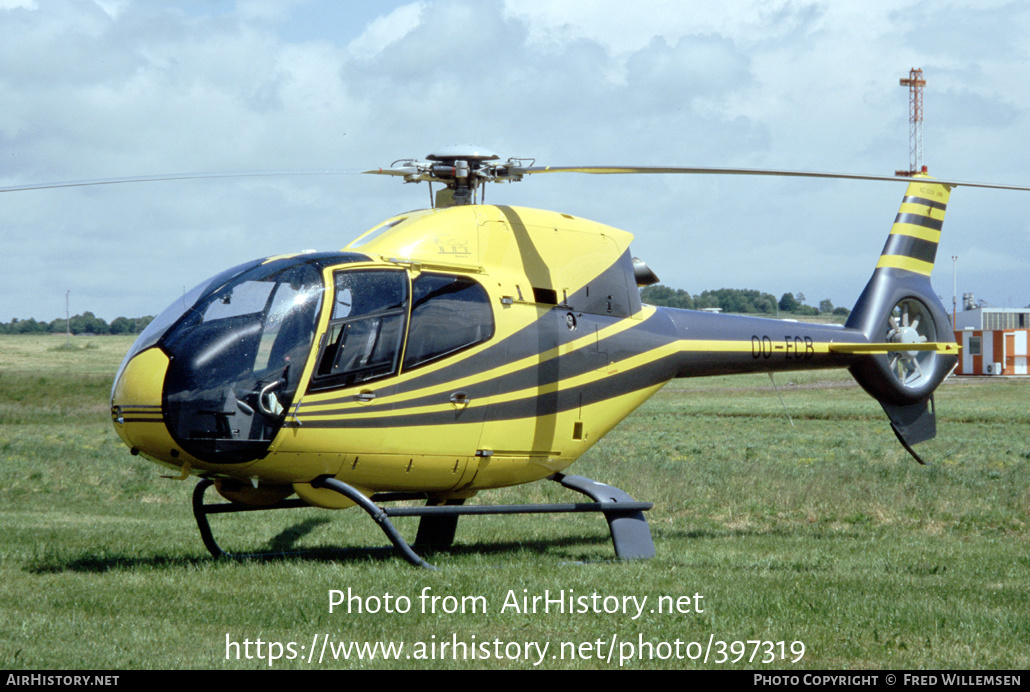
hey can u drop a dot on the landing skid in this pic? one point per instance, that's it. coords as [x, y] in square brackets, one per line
[631, 535]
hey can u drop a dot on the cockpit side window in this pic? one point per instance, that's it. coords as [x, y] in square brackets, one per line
[448, 314]
[366, 328]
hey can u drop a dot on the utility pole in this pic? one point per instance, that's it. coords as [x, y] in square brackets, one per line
[67, 319]
[954, 290]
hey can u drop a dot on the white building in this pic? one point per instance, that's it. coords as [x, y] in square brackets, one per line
[994, 341]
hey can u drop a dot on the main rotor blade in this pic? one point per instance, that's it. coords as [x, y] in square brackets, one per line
[411, 174]
[170, 176]
[691, 170]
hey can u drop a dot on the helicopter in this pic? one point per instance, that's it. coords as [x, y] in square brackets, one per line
[466, 347]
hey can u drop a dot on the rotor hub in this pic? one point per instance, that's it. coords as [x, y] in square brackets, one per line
[905, 335]
[461, 169]
[476, 155]
[910, 322]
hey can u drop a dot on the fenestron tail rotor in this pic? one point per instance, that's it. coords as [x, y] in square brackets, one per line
[910, 322]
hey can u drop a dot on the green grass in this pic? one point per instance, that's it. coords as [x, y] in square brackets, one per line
[825, 533]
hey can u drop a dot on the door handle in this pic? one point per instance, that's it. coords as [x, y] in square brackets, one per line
[273, 408]
[365, 396]
[460, 399]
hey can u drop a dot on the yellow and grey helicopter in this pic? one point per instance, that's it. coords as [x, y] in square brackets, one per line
[467, 346]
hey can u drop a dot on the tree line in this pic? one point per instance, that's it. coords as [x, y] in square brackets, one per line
[86, 323]
[738, 300]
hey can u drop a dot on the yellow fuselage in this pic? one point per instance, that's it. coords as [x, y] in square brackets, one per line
[444, 351]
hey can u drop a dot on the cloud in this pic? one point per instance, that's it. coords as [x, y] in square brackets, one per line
[386, 30]
[146, 88]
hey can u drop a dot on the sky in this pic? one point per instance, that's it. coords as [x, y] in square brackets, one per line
[98, 89]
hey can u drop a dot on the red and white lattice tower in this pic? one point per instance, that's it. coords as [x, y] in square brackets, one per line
[915, 84]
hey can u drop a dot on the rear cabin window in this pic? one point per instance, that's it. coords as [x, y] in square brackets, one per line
[448, 314]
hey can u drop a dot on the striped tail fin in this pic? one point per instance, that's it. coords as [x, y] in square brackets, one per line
[912, 243]
[899, 307]
[906, 261]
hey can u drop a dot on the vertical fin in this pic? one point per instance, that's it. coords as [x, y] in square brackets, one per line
[907, 258]
[912, 243]
[900, 306]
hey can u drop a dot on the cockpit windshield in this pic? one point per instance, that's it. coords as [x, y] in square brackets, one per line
[157, 328]
[237, 355]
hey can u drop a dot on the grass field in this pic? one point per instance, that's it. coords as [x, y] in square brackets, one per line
[824, 535]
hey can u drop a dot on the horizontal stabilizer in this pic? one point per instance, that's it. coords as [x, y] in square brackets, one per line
[939, 347]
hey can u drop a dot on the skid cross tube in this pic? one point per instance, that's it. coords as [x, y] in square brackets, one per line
[631, 535]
